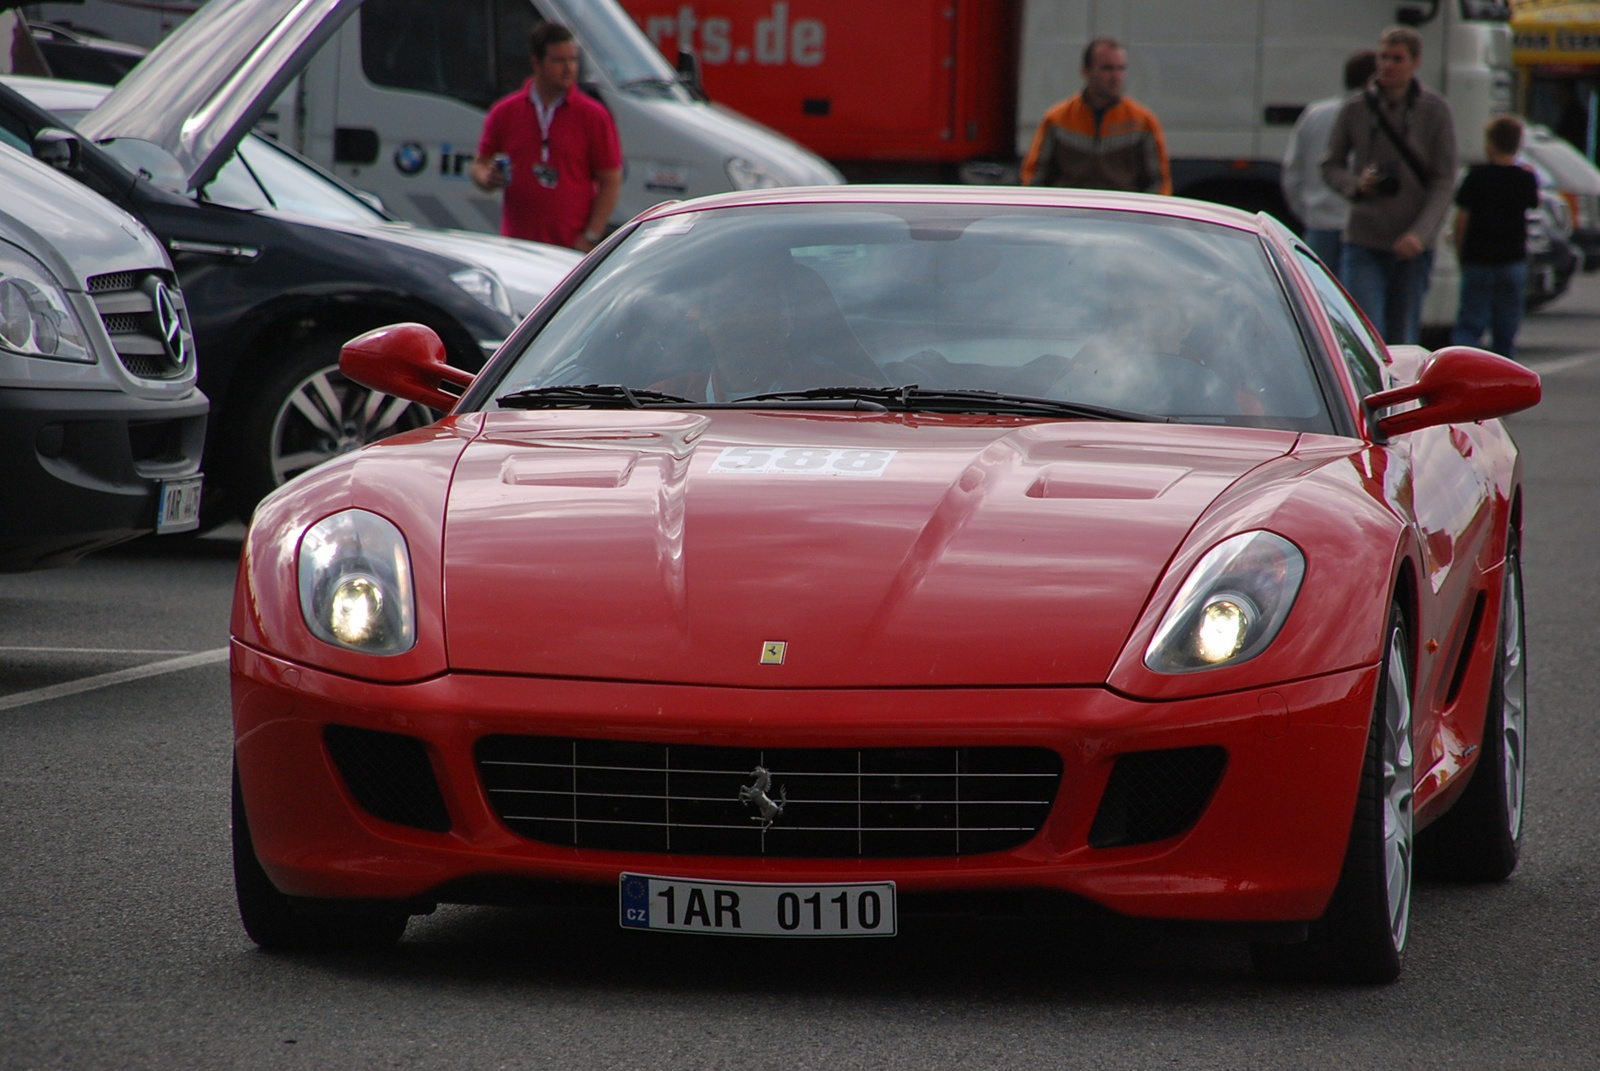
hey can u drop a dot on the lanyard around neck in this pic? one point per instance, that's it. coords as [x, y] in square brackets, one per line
[547, 116]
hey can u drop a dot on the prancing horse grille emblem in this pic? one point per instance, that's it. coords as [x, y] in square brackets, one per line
[768, 810]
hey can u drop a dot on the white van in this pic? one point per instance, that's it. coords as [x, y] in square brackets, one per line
[394, 102]
[101, 423]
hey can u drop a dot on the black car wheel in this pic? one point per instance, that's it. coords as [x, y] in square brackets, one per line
[1480, 838]
[277, 922]
[1361, 936]
[306, 412]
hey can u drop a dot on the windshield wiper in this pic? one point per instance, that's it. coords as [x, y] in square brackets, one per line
[620, 396]
[588, 396]
[913, 398]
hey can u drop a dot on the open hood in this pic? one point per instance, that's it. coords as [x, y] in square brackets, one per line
[204, 87]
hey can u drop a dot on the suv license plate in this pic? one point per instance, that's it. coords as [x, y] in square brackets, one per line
[179, 510]
[751, 909]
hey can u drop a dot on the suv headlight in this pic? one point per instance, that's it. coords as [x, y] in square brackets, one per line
[745, 175]
[1232, 605]
[484, 287]
[355, 584]
[36, 319]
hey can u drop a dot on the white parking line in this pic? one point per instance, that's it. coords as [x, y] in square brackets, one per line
[1562, 364]
[106, 680]
[91, 650]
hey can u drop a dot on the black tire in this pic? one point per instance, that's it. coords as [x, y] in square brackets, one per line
[278, 923]
[304, 412]
[1362, 935]
[1480, 837]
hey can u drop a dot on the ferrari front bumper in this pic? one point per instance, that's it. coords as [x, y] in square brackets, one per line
[1266, 842]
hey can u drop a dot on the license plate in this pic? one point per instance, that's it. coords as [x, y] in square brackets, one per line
[752, 909]
[179, 510]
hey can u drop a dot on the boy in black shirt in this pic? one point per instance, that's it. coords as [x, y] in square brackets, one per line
[1491, 239]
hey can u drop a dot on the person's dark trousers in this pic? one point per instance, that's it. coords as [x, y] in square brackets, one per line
[1389, 290]
[1326, 244]
[1492, 297]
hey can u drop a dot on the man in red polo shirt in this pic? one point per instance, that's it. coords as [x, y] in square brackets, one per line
[553, 149]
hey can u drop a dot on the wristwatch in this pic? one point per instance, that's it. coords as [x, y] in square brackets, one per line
[592, 238]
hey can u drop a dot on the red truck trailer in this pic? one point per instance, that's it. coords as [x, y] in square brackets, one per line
[907, 90]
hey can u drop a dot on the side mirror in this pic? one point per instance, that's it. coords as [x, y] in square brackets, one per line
[407, 361]
[689, 74]
[58, 148]
[1458, 384]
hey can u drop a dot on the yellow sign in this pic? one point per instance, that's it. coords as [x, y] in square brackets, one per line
[1556, 31]
[772, 652]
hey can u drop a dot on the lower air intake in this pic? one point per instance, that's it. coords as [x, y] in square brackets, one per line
[389, 775]
[1153, 795]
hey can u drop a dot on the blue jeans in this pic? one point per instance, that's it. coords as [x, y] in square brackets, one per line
[1491, 297]
[1389, 290]
[1326, 244]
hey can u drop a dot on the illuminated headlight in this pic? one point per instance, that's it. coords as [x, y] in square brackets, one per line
[745, 175]
[36, 319]
[1232, 605]
[484, 287]
[355, 584]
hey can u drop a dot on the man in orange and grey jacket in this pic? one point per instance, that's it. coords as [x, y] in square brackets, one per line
[1099, 139]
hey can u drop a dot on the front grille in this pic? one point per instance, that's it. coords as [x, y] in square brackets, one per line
[837, 802]
[389, 775]
[1153, 795]
[131, 309]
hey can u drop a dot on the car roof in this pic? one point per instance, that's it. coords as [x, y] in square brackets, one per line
[989, 196]
[57, 94]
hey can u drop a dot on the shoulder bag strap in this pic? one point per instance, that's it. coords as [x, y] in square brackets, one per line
[1399, 143]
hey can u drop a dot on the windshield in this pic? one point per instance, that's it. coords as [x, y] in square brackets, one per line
[612, 41]
[1129, 312]
[263, 175]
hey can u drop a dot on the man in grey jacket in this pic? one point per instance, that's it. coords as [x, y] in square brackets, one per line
[1322, 211]
[1392, 154]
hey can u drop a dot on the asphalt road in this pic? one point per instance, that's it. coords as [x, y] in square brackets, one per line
[119, 946]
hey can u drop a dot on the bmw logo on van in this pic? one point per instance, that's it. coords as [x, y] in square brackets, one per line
[410, 158]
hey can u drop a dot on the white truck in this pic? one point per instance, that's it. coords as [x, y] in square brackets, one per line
[394, 101]
[1228, 81]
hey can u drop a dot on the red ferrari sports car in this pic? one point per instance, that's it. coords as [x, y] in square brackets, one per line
[809, 552]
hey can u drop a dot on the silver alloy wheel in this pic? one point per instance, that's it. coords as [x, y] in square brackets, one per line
[1513, 693]
[1398, 790]
[327, 415]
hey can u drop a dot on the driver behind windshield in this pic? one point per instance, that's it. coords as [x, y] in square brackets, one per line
[772, 325]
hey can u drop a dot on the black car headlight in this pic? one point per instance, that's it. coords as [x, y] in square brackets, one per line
[355, 584]
[1231, 607]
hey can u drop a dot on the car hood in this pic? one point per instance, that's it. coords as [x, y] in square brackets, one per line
[76, 233]
[718, 127]
[943, 551]
[530, 270]
[202, 89]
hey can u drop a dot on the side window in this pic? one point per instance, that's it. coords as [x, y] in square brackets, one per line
[1356, 344]
[445, 49]
[513, 21]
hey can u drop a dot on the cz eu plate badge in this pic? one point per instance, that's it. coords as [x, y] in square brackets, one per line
[755, 909]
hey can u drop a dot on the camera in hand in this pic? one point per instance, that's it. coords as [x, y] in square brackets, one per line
[1388, 183]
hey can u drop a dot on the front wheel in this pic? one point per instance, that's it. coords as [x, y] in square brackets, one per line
[304, 413]
[1362, 935]
[277, 923]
